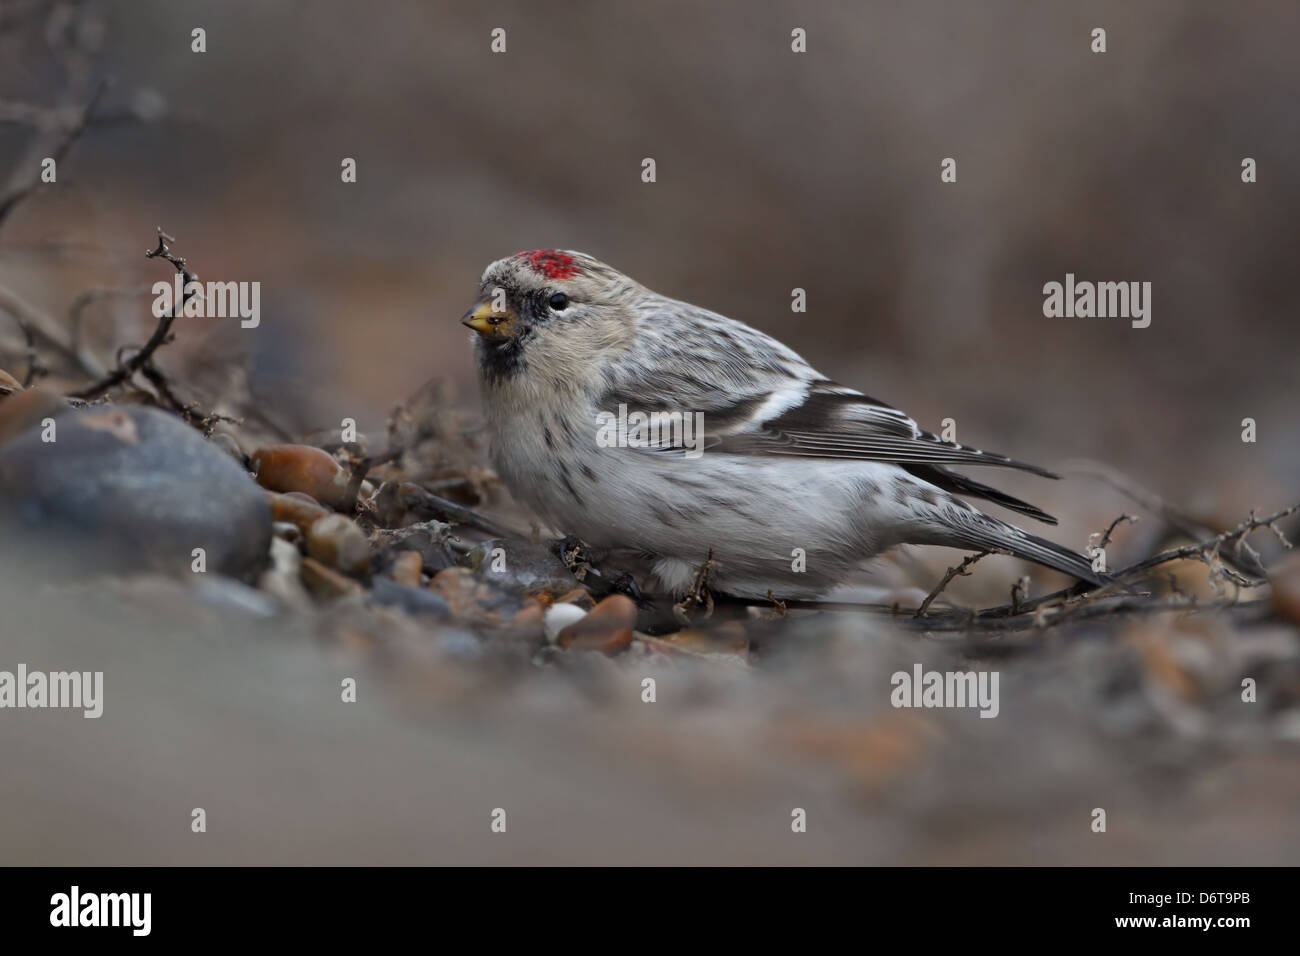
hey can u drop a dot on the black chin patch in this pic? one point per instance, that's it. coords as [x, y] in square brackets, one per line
[501, 359]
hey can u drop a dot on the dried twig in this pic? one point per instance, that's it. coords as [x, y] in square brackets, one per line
[1105, 536]
[418, 501]
[70, 135]
[700, 594]
[961, 569]
[1208, 551]
[34, 367]
[1019, 590]
[48, 330]
[161, 334]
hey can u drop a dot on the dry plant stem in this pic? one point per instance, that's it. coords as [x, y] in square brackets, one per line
[361, 468]
[700, 593]
[1208, 550]
[16, 195]
[161, 334]
[47, 329]
[33, 367]
[1105, 537]
[1118, 606]
[962, 569]
[430, 505]
[1178, 519]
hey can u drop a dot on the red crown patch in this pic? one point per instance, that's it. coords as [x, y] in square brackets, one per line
[552, 263]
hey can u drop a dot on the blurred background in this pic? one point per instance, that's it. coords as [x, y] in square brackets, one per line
[775, 170]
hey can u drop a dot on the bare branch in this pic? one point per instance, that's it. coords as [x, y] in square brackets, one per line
[700, 594]
[49, 330]
[1206, 550]
[20, 192]
[1105, 537]
[161, 334]
[961, 569]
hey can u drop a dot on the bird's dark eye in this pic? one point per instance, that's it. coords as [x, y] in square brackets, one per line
[559, 302]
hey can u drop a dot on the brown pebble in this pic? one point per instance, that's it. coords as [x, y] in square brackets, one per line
[528, 622]
[325, 582]
[608, 628]
[337, 542]
[21, 410]
[302, 468]
[296, 508]
[729, 638]
[467, 596]
[451, 578]
[406, 568]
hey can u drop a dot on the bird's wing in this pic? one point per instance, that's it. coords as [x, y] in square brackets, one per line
[757, 397]
[831, 421]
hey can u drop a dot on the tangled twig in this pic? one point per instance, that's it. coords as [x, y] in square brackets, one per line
[1110, 530]
[161, 334]
[71, 134]
[962, 569]
[700, 594]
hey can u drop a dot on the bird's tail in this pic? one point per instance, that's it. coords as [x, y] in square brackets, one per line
[968, 528]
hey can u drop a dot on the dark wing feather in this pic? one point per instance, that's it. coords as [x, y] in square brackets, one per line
[834, 422]
[941, 477]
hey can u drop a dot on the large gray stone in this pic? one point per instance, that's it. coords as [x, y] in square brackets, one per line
[129, 488]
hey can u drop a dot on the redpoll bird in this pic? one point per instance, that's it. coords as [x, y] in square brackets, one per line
[595, 391]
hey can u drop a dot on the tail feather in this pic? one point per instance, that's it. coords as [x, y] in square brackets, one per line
[965, 527]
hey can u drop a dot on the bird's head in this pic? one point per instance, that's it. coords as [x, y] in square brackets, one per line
[553, 308]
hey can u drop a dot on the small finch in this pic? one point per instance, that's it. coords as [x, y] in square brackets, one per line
[657, 429]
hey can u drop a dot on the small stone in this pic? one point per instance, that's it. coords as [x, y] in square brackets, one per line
[428, 539]
[227, 594]
[287, 531]
[483, 602]
[336, 541]
[414, 601]
[529, 623]
[283, 579]
[406, 569]
[608, 628]
[20, 411]
[302, 468]
[325, 582]
[559, 616]
[728, 638]
[533, 567]
[302, 510]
